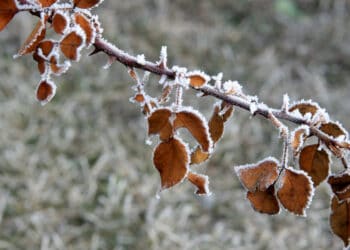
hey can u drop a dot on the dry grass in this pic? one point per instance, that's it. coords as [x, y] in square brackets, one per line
[76, 174]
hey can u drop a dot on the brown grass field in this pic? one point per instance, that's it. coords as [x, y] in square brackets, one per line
[77, 174]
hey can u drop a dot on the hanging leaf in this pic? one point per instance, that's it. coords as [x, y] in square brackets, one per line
[57, 68]
[42, 55]
[86, 4]
[296, 191]
[216, 125]
[46, 3]
[340, 184]
[196, 125]
[148, 107]
[71, 45]
[226, 111]
[259, 176]
[86, 26]
[171, 158]
[198, 156]
[45, 91]
[305, 107]
[315, 163]
[197, 79]
[159, 123]
[60, 22]
[334, 129]
[264, 201]
[35, 37]
[8, 9]
[201, 182]
[340, 220]
[298, 138]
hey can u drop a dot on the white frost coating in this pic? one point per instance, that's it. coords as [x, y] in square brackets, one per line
[53, 87]
[200, 73]
[312, 189]
[97, 4]
[80, 32]
[232, 87]
[239, 169]
[145, 77]
[218, 80]
[191, 110]
[163, 58]
[253, 107]
[141, 59]
[306, 132]
[285, 105]
[163, 79]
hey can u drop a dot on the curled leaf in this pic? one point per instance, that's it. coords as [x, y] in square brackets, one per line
[198, 156]
[296, 191]
[305, 107]
[159, 123]
[315, 163]
[340, 220]
[340, 184]
[8, 9]
[171, 158]
[196, 125]
[264, 201]
[334, 129]
[298, 138]
[86, 4]
[86, 26]
[259, 176]
[197, 79]
[216, 125]
[201, 182]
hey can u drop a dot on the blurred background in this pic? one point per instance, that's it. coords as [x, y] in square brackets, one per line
[77, 174]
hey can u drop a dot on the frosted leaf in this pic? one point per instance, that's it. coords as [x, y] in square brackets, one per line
[232, 88]
[141, 59]
[197, 78]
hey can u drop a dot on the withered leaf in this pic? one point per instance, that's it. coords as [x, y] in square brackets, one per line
[171, 158]
[296, 191]
[45, 91]
[59, 22]
[87, 26]
[315, 163]
[259, 176]
[86, 4]
[46, 3]
[198, 156]
[333, 129]
[226, 110]
[71, 45]
[216, 125]
[197, 80]
[305, 107]
[196, 125]
[264, 201]
[340, 219]
[159, 123]
[340, 184]
[8, 9]
[200, 181]
[298, 138]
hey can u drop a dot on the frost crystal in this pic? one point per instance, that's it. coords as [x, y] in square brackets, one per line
[232, 88]
[141, 59]
[218, 80]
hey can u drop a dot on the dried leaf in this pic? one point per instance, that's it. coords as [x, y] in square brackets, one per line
[148, 107]
[86, 4]
[340, 220]
[226, 111]
[196, 125]
[298, 138]
[264, 201]
[71, 45]
[305, 107]
[334, 129]
[45, 91]
[8, 9]
[41, 54]
[60, 22]
[259, 176]
[216, 125]
[140, 98]
[197, 80]
[340, 184]
[171, 158]
[315, 163]
[200, 181]
[86, 26]
[198, 156]
[35, 37]
[296, 191]
[159, 123]
[46, 3]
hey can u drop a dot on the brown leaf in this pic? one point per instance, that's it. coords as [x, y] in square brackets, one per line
[46, 48]
[198, 156]
[340, 184]
[305, 107]
[59, 22]
[200, 181]
[197, 80]
[315, 163]
[86, 4]
[298, 138]
[196, 125]
[264, 201]
[340, 220]
[216, 125]
[45, 91]
[259, 176]
[333, 129]
[8, 9]
[87, 26]
[140, 98]
[296, 191]
[171, 158]
[226, 110]
[71, 45]
[159, 123]
[46, 3]
[148, 107]
[35, 37]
